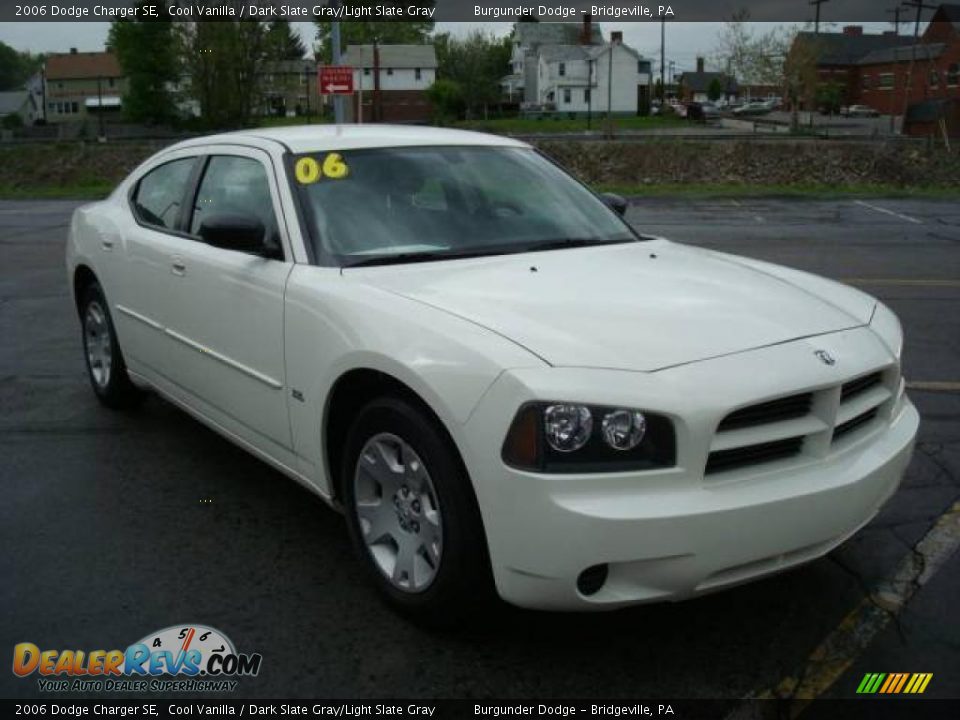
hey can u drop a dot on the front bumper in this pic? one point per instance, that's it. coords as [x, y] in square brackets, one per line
[671, 534]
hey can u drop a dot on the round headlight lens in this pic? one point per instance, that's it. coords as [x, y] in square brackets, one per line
[567, 427]
[623, 429]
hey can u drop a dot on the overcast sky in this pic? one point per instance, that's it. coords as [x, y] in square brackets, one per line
[684, 40]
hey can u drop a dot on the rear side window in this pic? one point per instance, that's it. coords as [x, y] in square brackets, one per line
[234, 185]
[160, 193]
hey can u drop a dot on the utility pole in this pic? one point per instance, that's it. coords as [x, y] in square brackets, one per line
[896, 18]
[918, 4]
[102, 136]
[335, 41]
[307, 82]
[816, 23]
[663, 62]
[589, 91]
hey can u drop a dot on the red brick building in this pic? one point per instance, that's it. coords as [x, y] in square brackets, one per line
[893, 79]
[877, 70]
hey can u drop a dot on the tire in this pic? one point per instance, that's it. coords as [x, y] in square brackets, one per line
[106, 369]
[393, 447]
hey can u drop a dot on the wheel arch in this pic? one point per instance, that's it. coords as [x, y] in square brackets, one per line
[351, 391]
[83, 277]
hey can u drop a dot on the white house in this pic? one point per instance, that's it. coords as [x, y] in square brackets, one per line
[568, 68]
[397, 93]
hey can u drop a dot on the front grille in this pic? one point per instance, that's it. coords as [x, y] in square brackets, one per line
[853, 423]
[733, 458]
[771, 411]
[860, 385]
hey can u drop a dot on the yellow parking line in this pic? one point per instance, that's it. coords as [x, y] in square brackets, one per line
[934, 385]
[838, 651]
[904, 282]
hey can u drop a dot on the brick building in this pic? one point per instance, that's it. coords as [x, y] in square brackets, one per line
[894, 78]
[391, 82]
[889, 72]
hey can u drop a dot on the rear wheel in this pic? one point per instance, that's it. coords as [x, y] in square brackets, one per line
[412, 515]
[105, 366]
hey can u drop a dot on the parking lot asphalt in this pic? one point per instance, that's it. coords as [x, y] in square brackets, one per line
[114, 525]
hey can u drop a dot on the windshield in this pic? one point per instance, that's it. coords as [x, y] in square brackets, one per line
[422, 203]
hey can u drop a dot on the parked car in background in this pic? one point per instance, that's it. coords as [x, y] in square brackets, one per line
[754, 108]
[501, 383]
[859, 111]
[702, 112]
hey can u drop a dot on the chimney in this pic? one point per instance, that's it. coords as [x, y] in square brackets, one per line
[853, 30]
[616, 37]
[700, 64]
[586, 32]
[73, 51]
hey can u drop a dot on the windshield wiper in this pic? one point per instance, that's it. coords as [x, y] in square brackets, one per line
[422, 256]
[562, 243]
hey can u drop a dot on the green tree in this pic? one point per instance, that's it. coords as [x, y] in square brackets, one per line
[476, 64]
[147, 53]
[715, 90]
[446, 96]
[224, 60]
[362, 32]
[283, 42]
[16, 67]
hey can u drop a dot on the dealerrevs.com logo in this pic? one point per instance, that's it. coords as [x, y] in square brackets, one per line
[188, 658]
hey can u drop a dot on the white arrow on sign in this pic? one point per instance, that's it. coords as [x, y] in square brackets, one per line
[334, 88]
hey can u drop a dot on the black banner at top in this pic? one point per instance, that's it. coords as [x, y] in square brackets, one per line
[507, 11]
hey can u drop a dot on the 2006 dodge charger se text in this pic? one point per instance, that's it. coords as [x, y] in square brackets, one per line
[499, 381]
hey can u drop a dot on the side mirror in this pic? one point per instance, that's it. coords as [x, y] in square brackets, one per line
[615, 202]
[244, 233]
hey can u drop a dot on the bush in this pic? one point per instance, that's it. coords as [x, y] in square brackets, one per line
[11, 122]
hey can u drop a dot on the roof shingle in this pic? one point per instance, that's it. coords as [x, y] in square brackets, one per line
[83, 66]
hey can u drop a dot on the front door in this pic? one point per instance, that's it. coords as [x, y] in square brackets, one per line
[225, 310]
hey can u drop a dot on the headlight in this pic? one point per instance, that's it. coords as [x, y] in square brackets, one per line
[886, 325]
[559, 437]
[624, 429]
[567, 427]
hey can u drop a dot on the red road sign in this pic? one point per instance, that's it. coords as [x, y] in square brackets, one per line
[335, 80]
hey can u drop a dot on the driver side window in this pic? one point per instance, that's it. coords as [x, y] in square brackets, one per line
[234, 185]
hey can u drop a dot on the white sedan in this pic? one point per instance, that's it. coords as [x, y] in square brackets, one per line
[499, 381]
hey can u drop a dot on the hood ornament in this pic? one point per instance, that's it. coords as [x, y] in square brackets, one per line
[825, 357]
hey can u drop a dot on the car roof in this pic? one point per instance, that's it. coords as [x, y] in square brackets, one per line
[318, 138]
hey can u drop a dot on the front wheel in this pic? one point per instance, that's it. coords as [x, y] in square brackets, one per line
[412, 515]
[105, 366]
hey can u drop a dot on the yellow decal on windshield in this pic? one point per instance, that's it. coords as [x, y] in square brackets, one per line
[309, 171]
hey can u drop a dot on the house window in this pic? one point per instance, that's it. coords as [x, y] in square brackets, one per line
[416, 74]
[586, 95]
[110, 82]
[566, 96]
[953, 75]
[74, 107]
[562, 69]
[934, 78]
[886, 81]
[366, 71]
[389, 71]
[52, 107]
[866, 82]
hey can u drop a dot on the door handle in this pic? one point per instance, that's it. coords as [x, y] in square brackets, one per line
[178, 267]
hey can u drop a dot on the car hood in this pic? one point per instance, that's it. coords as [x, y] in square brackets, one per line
[639, 306]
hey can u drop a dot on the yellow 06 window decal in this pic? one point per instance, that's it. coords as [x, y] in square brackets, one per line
[308, 171]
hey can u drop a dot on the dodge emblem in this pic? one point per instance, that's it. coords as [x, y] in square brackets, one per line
[825, 357]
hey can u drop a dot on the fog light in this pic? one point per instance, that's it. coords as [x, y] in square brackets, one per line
[623, 429]
[567, 427]
[592, 579]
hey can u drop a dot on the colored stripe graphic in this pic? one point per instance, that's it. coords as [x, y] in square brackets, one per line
[894, 683]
